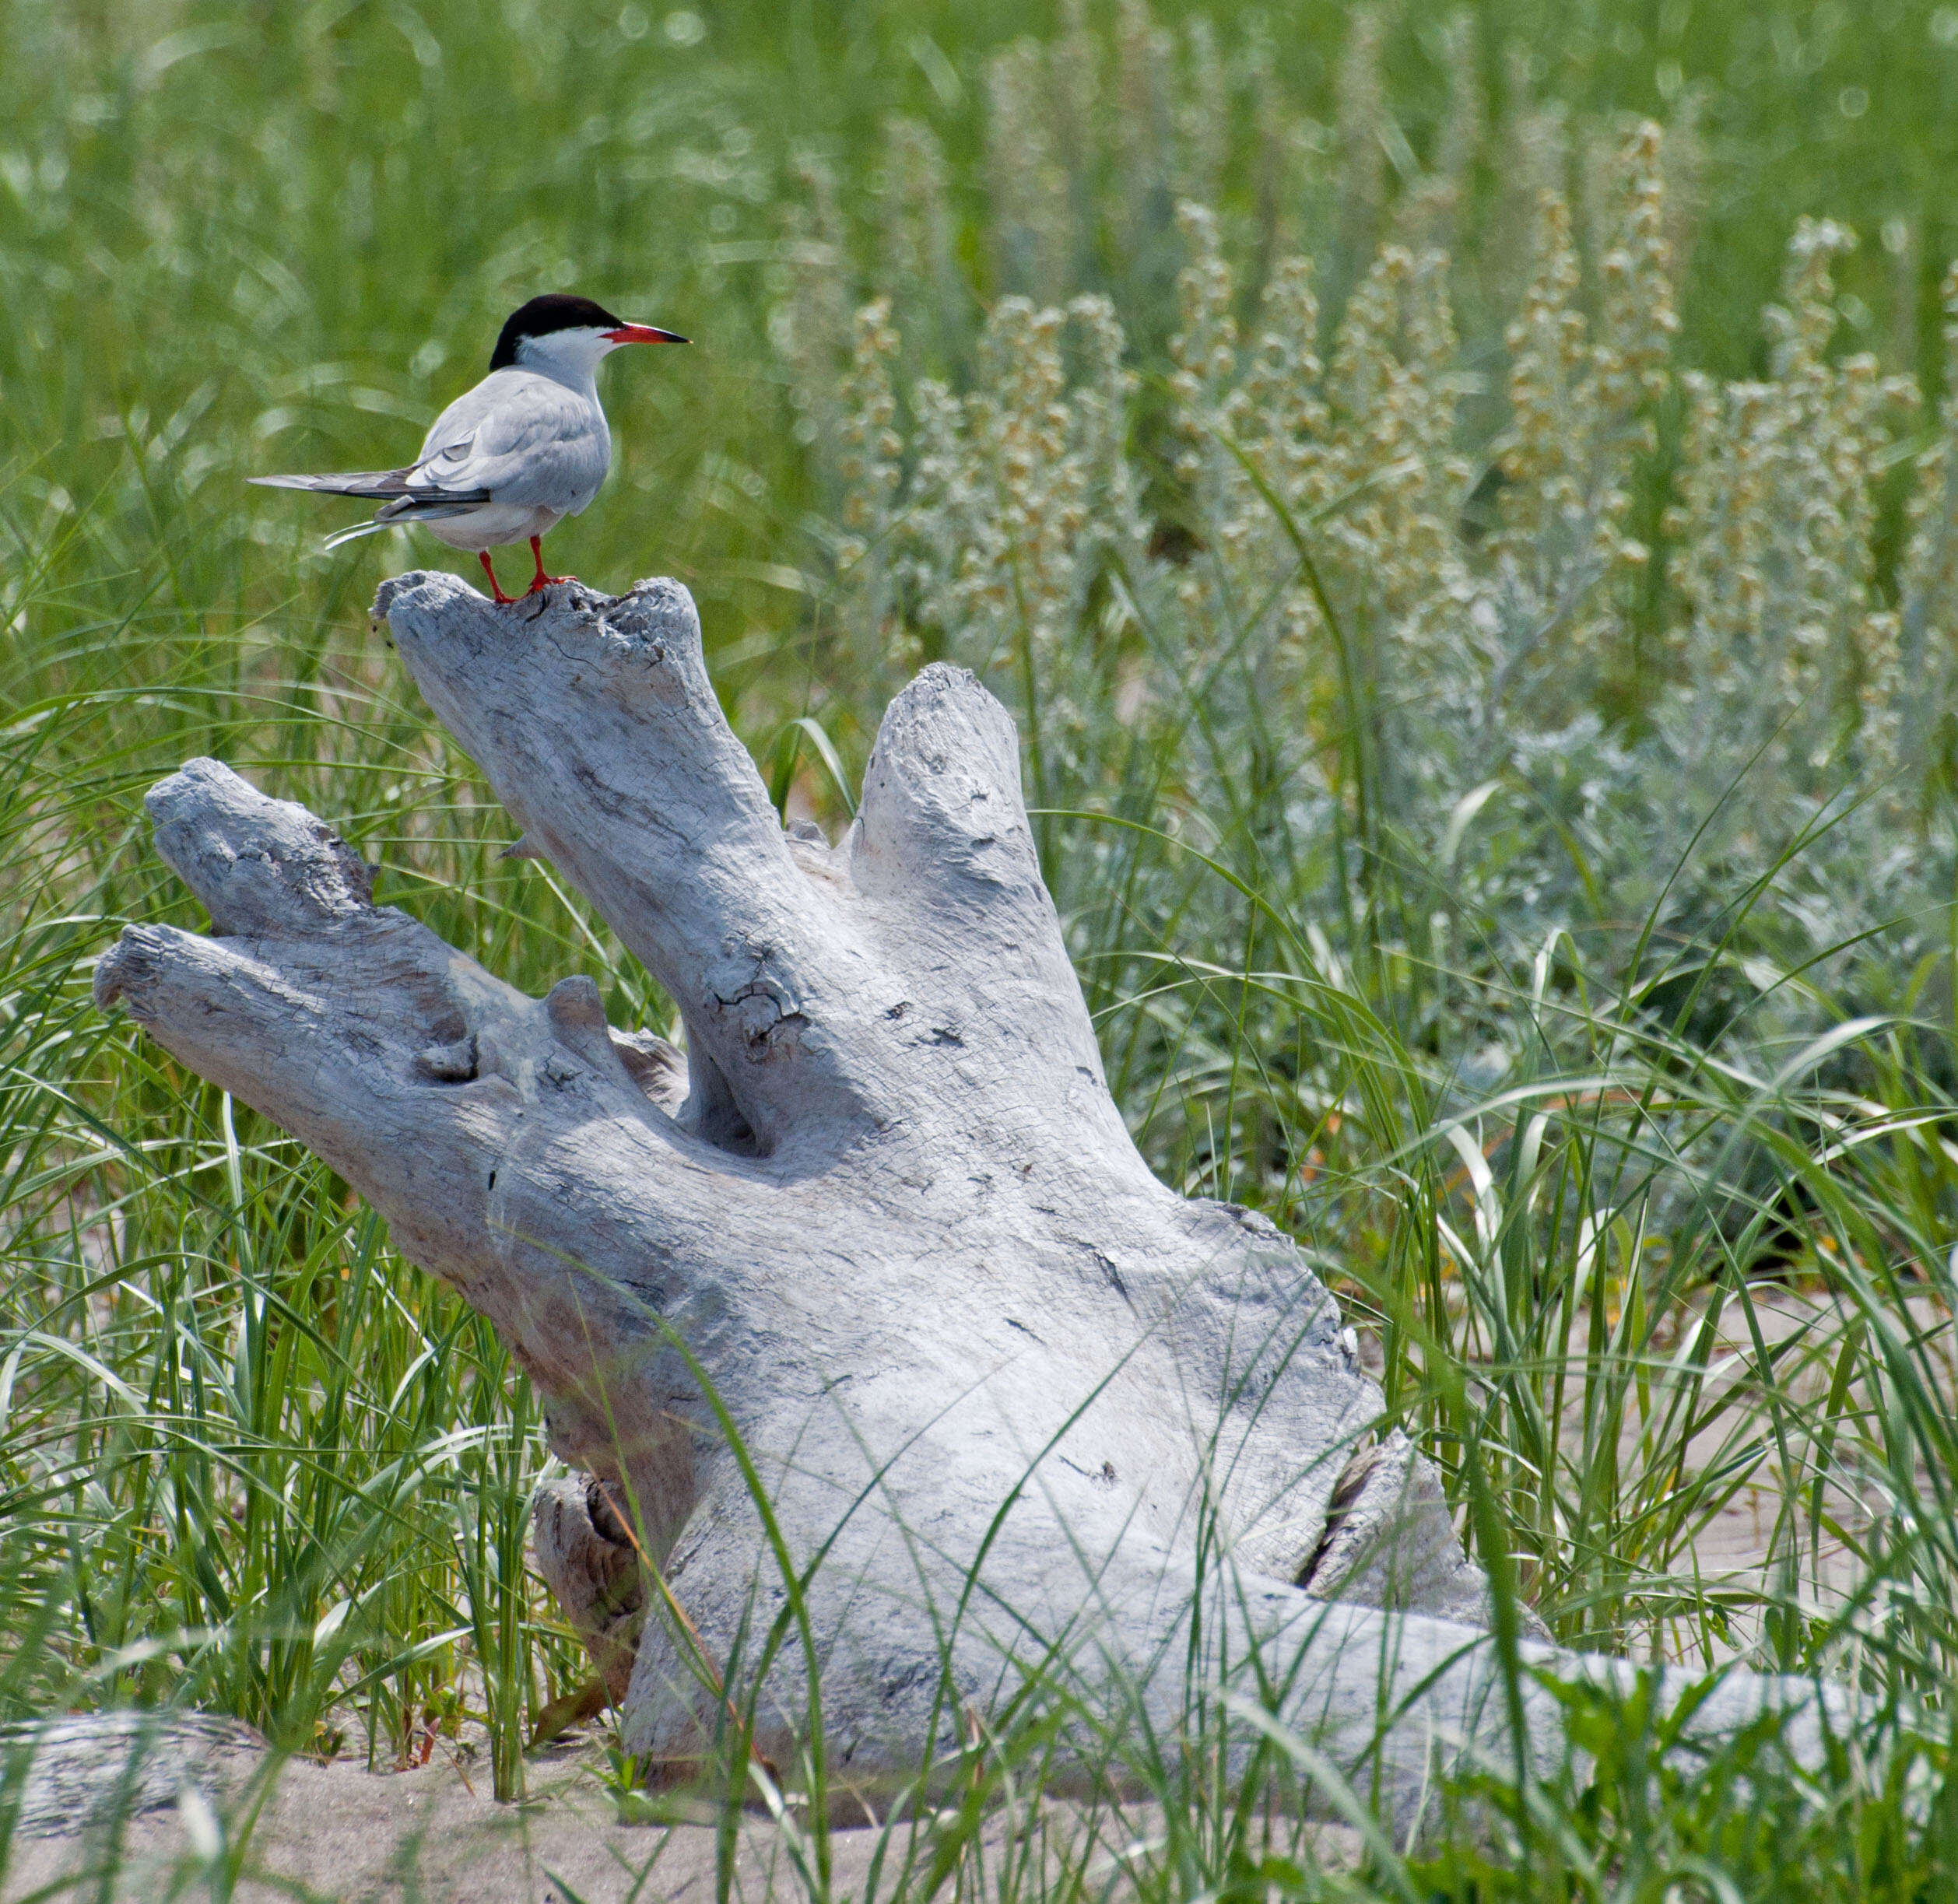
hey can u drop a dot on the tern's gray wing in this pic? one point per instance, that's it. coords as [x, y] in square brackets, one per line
[516, 438]
[522, 438]
[374, 484]
[440, 476]
[402, 497]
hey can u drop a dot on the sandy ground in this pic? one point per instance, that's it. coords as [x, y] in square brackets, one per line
[339, 1832]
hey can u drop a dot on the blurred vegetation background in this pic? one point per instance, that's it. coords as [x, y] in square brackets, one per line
[1460, 504]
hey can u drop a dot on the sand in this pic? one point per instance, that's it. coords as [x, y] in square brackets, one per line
[342, 1833]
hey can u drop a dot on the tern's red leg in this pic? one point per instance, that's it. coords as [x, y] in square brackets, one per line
[540, 579]
[490, 570]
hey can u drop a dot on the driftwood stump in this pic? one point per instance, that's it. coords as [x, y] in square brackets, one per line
[883, 1203]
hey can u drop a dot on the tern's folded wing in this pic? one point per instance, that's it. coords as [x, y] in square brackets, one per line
[379, 485]
[523, 437]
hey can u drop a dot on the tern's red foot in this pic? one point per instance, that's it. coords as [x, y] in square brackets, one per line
[490, 570]
[540, 579]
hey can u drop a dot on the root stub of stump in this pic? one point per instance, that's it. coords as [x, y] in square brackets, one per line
[882, 1218]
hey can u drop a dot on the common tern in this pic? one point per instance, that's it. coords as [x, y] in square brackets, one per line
[510, 459]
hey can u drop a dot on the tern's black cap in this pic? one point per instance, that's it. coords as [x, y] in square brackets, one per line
[555, 311]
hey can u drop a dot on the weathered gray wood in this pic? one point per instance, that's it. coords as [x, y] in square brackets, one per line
[90, 1771]
[884, 1202]
[585, 1552]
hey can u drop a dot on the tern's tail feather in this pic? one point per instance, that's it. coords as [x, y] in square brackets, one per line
[401, 500]
[402, 511]
[354, 534]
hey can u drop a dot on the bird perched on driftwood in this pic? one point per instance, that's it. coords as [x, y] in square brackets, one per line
[510, 459]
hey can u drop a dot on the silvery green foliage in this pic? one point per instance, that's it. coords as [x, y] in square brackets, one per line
[1435, 639]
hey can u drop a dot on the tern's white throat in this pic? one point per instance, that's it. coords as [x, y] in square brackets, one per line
[569, 357]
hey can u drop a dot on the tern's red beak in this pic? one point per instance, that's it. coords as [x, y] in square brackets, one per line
[644, 334]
